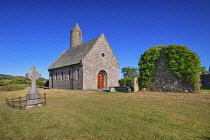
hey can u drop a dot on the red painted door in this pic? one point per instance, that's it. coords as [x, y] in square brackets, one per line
[100, 81]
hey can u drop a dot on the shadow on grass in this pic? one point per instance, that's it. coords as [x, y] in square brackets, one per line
[205, 88]
[204, 138]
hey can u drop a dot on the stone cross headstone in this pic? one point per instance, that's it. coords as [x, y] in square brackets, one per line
[33, 96]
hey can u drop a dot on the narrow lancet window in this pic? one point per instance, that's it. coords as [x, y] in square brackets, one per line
[61, 75]
[69, 77]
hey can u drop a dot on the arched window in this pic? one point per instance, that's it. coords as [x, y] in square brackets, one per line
[61, 75]
[69, 77]
[51, 75]
[77, 74]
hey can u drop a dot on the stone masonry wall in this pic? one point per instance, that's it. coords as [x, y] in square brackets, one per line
[66, 78]
[100, 58]
[165, 81]
[84, 76]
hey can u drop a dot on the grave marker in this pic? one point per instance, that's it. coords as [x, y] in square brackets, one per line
[33, 96]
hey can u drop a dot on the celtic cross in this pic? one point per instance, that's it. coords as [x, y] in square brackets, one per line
[33, 96]
[33, 75]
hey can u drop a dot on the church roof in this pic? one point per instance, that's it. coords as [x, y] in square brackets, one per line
[73, 55]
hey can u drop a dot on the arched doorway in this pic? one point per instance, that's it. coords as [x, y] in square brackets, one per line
[102, 80]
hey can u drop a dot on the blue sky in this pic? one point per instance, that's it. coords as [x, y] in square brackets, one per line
[36, 32]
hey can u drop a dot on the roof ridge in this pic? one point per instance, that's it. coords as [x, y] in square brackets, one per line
[86, 42]
[73, 55]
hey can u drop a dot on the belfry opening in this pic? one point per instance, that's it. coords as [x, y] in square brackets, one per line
[102, 80]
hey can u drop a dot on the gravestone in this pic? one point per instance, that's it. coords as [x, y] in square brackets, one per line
[33, 96]
[136, 84]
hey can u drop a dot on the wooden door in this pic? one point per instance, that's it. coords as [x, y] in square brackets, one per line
[100, 81]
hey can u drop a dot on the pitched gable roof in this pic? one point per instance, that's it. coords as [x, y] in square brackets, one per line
[73, 55]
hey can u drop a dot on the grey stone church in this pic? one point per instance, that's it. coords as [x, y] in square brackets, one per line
[85, 66]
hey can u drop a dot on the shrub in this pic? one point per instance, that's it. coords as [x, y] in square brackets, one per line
[125, 82]
[122, 82]
[40, 83]
[3, 83]
[19, 81]
[13, 87]
[129, 81]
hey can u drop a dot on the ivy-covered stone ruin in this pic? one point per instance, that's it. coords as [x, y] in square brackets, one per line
[172, 68]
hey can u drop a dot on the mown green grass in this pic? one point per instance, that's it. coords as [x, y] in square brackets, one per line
[99, 115]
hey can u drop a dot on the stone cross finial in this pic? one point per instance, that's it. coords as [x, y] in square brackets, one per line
[33, 73]
[33, 96]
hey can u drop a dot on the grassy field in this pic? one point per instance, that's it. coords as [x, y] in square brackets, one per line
[102, 115]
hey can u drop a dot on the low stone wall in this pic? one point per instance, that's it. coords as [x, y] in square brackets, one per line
[119, 89]
[165, 80]
[205, 80]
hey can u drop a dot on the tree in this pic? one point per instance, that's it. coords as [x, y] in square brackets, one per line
[203, 70]
[122, 82]
[209, 69]
[130, 72]
[46, 83]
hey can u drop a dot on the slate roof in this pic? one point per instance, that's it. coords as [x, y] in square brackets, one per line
[73, 55]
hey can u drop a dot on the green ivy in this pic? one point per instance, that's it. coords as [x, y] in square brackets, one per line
[181, 61]
[147, 65]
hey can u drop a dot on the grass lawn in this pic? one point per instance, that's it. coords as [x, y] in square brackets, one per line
[93, 115]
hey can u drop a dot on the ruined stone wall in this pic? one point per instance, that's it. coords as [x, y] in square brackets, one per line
[205, 80]
[69, 77]
[165, 81]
